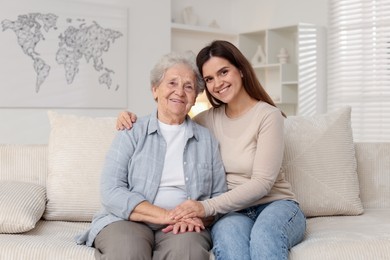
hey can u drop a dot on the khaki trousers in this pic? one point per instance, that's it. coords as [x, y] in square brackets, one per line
[136, 241]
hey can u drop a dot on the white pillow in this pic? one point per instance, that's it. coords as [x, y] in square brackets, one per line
[77, 149]
[21, 206]
[319, 162]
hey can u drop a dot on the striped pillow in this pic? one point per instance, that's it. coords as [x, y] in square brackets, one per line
[76, 153]
[319, 162]
[21, 206]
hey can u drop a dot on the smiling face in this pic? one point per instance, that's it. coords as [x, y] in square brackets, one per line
[175, 94]
[223, 80]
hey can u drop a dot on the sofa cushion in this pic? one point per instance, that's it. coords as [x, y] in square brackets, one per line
[21, 206]
[76, 153]
[346, 237]
[320, 163]
[49, 240]
[373, 164]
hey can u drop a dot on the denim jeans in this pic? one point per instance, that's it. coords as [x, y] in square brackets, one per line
[260, 232]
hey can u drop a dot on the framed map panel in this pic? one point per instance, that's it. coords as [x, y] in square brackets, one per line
[63, 54]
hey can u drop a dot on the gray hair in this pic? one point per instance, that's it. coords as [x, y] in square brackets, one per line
[171, 59]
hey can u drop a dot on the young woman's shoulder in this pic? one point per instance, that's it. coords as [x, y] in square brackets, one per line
[202, 131]
[264, 109]
[207, 117]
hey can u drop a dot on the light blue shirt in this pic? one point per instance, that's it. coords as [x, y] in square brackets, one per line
[133, 169]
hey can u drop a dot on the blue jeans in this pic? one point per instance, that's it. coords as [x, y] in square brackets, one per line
[260, 232]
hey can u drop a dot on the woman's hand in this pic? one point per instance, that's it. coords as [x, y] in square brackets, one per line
[185, 225]
[188, 209]
[147, 212]
[125, 120]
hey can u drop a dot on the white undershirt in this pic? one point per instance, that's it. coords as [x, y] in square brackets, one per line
[172, 186]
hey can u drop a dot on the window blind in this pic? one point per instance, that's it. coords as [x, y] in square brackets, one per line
[359, 65]
[307, 63]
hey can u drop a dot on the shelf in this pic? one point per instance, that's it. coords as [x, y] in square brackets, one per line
[201, 29]
[190, 37]
[266, 66]
[289, 82]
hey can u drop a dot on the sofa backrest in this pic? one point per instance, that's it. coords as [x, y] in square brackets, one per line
[373, 166]
[29, 163]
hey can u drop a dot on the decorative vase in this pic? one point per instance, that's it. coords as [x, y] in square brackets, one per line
[214, 24]
[283, 56]
[259, 57]
[188, 15]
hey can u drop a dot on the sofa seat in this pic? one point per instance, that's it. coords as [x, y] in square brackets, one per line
[48, 240]
[346, 237]
[337, 237]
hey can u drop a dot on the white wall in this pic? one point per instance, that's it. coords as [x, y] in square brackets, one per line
[148, 39]
[248, 15]
[260, 14]
[206, 11]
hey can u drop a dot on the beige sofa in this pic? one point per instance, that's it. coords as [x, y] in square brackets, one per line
[49, 193]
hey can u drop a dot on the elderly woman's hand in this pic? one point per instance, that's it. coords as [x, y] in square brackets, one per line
[125, 120]
[188, 209]
[147, 212]
[185, 225]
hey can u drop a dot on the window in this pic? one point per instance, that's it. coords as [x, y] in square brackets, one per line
[359, 65]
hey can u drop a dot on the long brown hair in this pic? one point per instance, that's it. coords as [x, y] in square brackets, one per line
[228, 51]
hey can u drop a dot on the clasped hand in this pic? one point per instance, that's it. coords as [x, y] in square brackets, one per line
[188, 209]
[185, 225]
[188, 216]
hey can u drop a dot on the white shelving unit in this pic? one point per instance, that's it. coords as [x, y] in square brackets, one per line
[294, 86]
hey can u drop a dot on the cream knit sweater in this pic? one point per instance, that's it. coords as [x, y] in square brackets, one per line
[252, 148]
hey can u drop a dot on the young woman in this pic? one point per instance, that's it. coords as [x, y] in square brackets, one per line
[263, 219]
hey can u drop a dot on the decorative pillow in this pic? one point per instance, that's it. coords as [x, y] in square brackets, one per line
[21, 206]
[77, 149]
[319, 162]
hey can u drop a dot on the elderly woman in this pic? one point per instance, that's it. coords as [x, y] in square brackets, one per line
[164, 160]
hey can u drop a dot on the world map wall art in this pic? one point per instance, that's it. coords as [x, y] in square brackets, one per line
[63, 55]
